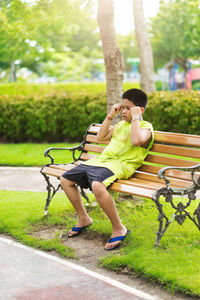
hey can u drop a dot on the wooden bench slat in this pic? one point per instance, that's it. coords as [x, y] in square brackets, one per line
[87, 156]
[93, 148]
[94, 129]
[170, 161]
[132, 190]
[142, 183]
[63, 167]
[152, 184]
[182, 151]
[149, 168]
[93, 139]
[177, 138]
[53, 172]
[154, 178]
[171, 173]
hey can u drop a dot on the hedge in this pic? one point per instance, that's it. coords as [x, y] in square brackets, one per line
[49, 118]
[65, 116]
[175, 111]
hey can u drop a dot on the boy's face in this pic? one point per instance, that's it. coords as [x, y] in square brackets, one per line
[126, 110]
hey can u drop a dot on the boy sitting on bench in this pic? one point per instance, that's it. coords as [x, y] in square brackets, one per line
[130, 142]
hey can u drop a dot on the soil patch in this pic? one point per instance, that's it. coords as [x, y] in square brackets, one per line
[48, 233]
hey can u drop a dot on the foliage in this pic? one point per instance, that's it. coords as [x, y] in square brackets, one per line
[55, 114]
[174, 111]
[33, 33]
[175, 32]
[71, 66]
[53, 117]
[14, 33]
[174, 264]
[128, 45]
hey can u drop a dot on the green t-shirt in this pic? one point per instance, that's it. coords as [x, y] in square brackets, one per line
[120, 156]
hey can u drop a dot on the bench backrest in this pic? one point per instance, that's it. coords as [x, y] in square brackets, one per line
[169, 149]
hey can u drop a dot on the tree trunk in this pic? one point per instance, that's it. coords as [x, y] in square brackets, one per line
[12, 72]
[183, 64]
[144, 46]
[113, 58]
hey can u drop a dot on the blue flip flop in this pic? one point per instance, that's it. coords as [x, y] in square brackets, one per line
[78, 230]
[117, 238]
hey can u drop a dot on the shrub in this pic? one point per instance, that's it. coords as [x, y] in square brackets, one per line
[174, 111]
[63, 116]
[49, 118]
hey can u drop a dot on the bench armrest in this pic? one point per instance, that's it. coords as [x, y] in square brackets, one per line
[73, 149]
[192, 170]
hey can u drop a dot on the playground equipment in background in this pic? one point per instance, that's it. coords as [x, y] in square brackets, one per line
[193, 79]
[177, 79]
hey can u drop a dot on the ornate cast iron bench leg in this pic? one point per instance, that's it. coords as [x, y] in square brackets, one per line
[162, 218]
[51, 191]
[180, 209]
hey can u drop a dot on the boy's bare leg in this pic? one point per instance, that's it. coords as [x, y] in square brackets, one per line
[108, 205]
[74, 196]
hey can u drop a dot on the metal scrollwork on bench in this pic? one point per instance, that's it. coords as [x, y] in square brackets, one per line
[51, 190]
[73, 150]
[180, 208]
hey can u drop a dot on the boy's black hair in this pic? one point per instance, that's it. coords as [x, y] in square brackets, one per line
[138, 97]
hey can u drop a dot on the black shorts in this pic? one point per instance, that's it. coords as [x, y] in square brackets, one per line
[84, 175]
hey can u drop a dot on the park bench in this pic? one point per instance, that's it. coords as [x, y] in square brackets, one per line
[171, 169]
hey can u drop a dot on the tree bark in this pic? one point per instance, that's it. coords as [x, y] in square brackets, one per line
[144, 46]
[113, 58]
[12, 72]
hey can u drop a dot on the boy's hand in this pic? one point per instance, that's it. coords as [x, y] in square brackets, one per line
[115, 109]
[136, 112]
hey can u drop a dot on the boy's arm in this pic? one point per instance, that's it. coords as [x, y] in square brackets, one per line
[105, 132]
[139, 136]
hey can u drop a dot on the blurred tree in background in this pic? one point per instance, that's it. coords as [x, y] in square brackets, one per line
[59, 39]
[176, 32]
[34, 32]
[144, 46]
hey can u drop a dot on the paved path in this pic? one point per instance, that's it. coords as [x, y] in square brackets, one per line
[21, 179]
[29, 274]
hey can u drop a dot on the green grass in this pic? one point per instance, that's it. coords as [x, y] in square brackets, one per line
[175, 264]
[28, 154]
